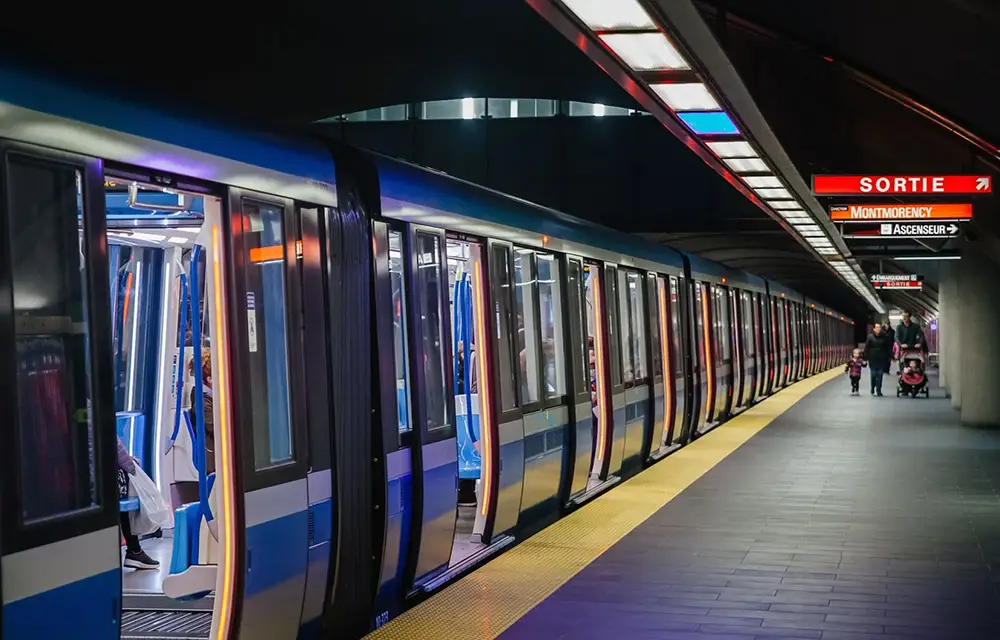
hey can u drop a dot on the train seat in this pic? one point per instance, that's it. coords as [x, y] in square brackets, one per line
[128, 504]
[468, 433]
[191, 574]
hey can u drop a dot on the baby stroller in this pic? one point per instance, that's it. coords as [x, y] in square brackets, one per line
[913, 379]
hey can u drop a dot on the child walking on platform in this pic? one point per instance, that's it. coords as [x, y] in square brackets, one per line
[853, 370]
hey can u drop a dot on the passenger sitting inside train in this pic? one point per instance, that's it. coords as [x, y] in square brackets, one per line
[135, 557]
[206, 394]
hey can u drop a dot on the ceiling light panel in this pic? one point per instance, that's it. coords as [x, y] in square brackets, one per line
[762, 182]
[709, 123]
[773, 193]
[734, 149]
[645, 51]
[686, 96]
[784, 204]
[602, 15]
[745, 165]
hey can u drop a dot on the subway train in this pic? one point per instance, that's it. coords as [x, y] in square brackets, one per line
[352, 379]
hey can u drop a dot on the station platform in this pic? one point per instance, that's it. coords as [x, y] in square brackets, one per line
[814, 514]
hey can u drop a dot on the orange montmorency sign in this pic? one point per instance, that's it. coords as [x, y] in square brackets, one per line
[880, 212]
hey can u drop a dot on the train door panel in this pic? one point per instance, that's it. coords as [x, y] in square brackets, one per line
[736, 336]
[681, 366]
[703, 347]
[435, 450]
[632, 333]
[723, 352]
[619, 421]
[59, 495]
[268, 381]
[392, 330]
[314, 347]
[584, 396]
[660, 419]
[546, 428]
[510, 420]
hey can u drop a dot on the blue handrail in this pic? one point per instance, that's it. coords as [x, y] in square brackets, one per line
[199, 400]
[180, 366]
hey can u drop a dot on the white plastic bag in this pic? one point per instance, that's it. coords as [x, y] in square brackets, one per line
[154, 512]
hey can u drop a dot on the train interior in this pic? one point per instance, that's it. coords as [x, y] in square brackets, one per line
[162, 337]
[465, 291]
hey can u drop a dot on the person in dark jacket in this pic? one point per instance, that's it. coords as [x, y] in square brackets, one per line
[909, 336]
[878, 354]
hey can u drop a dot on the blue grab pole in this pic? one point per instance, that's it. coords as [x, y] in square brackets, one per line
[199, 401]
[180, 363]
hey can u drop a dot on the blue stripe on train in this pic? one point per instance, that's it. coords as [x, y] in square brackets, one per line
[77, 610]
[276, 551]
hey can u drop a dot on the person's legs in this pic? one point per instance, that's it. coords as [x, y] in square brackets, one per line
[872, 374]
[878, 373]
[135, 557]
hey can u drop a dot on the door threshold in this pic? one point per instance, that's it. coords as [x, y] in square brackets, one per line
[499, 544]
[160, 602]
[663, 452]
[595, 490]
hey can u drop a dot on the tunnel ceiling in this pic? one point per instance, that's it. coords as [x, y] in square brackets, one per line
[279, 65]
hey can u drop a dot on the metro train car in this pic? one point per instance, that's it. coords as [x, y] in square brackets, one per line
[352, 379]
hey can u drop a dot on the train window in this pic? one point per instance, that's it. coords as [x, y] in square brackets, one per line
[400, 338]
[625, 328]
[500, 266]
[427, 297]
[57, 464]
[268, 370]
[527, 330]
[637, 302]
[550, 312]
[722, 302]
[578, 335]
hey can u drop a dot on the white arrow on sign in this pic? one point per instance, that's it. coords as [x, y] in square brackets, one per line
[983, 183]
[874, 278]
[952, 229]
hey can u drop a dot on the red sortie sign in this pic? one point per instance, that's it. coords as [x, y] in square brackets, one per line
[896, 185]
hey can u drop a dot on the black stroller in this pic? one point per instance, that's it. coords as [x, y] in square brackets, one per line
[913, 378]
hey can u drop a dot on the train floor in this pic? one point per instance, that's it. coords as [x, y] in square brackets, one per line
[814, 515]
[148, 614]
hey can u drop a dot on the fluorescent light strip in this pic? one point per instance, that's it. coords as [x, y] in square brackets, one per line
[687, 96]
[745, 165]
[760, 182]
[601, 15]
[735, 149]
[784, 204]
[773, 193]
[645, 51]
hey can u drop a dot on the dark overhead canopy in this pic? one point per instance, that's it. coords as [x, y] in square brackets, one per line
[295, 63]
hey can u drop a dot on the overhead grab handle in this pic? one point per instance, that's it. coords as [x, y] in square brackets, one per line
[133, 201]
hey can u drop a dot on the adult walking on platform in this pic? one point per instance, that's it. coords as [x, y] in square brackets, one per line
[878, 354]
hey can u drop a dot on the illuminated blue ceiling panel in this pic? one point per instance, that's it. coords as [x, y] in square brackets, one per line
[709, 123]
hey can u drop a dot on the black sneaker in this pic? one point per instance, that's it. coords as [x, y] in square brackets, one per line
[140, 560]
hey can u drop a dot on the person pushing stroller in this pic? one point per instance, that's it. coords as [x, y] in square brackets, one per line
[853, 370]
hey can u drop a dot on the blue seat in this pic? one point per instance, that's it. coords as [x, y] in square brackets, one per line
[128, 504]
[187, 538]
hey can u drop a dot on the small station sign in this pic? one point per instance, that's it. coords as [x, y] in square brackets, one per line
[905, 230]
[900, 185]
[900, 212]
[896, 281]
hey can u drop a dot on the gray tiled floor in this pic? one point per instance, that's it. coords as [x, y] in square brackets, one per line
[847, 518]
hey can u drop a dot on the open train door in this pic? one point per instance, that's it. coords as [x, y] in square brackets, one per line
[61, 571]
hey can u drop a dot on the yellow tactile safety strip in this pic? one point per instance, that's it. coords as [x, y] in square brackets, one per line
[488, 601]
